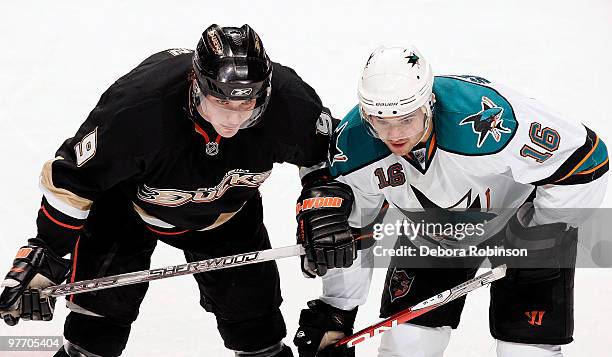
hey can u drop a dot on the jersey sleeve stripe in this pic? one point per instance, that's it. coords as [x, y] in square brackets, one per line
[63, 225]
[61, 199]
[593, 169]
[581, 161]
[587, 163]
[597, 157]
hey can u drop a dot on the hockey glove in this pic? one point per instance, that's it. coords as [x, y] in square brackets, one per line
[34, 268]
[321, 326]
[322, 214]
[550, 247]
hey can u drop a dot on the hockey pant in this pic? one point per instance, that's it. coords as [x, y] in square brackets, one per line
[525, 319]
[245, 300]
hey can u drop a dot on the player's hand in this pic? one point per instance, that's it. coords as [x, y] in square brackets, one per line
[322, 213]
[321, 326]
[34, 268]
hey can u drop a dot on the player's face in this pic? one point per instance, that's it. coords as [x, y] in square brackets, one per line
[226, 116]
[400, 133]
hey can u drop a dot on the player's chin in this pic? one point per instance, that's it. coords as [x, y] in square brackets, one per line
[227, 132]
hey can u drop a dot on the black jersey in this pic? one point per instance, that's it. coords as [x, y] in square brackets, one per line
[140, 142]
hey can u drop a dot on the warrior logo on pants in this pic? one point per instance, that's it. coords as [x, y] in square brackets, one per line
[399, 284]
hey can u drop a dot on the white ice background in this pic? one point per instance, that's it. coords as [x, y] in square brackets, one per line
[56, 58]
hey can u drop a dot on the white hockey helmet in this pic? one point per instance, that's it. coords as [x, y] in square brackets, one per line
[396, 81]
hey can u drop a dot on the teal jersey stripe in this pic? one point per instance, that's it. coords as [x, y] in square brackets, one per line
[597, 157]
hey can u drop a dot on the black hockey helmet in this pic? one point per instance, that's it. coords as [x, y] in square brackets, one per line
[230, 63]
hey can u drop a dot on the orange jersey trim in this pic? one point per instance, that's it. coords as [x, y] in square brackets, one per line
[76, 228]
[581, 161]
[74, 264]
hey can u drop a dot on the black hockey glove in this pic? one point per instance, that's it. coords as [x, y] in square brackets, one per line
[550, 247]
[34, 268]
[322, 213]
[321, 326]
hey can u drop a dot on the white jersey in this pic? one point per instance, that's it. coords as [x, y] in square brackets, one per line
[491, 148]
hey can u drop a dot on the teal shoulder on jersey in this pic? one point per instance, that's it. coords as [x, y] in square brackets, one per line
[465, 107]
[354, 147]
[471, 118]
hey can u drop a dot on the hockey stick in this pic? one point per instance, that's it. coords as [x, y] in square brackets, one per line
[424, 306]
[136, 277]
[229, 261]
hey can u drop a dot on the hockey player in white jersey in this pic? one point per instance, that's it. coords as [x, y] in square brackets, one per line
[422, 142]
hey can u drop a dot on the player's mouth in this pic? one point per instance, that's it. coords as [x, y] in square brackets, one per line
[397, 144]
[230, 128]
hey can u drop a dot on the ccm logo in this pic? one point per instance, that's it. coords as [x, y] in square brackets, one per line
[318, 202]
[369, 334]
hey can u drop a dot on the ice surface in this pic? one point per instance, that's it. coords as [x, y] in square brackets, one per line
[56, 58]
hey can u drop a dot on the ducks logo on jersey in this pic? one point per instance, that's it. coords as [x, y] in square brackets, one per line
[487, 121]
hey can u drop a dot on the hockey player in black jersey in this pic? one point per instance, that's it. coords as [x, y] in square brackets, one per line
[174, 151]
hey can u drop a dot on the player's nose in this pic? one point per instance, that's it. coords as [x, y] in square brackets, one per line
[396, 132]
[233, 119]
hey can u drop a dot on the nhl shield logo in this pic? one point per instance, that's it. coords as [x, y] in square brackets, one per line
[399, 284]
[212, 148]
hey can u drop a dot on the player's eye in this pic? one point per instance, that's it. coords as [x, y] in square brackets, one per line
[407, 121]
[222, 102]
[382, 122]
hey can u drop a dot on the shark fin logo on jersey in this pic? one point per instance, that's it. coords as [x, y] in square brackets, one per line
[338, 155]
[399, 284]
[451, 221]
[488, 121]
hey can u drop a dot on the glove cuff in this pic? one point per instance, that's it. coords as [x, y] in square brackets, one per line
[337, 319]
[33, 259]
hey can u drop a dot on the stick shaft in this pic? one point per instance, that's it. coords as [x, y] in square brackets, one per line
[201, 266]
[424, 306]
